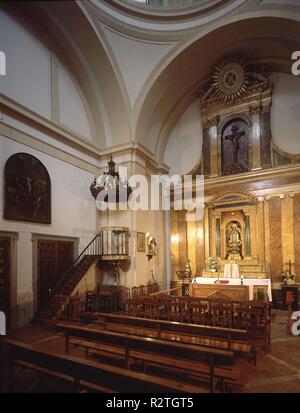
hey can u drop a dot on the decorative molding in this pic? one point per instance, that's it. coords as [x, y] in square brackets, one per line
[30, 141]
[280, 157]
[255, 110]
[253, 176]
[38, 122]
[214, 121]
[231, 82]
[134, 149]
[231, 197]
[274, 196]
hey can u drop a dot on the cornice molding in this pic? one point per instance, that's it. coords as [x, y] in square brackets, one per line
[30, 141]
[37, 121]
[254, 176]
[169, 14]
[134, 149]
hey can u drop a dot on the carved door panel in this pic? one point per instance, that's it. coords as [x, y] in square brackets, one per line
[54, 258]
[5, 278]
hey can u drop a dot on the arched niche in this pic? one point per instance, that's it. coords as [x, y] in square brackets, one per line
[235, 137]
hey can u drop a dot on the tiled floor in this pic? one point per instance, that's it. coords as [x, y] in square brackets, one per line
[276, 372]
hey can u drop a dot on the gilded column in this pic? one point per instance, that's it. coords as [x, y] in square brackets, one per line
[191, 244]
[248, 234]
[199, 245]
[218, 236]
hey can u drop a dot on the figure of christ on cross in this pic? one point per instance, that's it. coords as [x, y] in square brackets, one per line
[235, 138]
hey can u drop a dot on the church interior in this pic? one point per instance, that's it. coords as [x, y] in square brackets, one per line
[108, 283]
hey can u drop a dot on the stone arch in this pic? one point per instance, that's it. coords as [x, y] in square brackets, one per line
[175, 86]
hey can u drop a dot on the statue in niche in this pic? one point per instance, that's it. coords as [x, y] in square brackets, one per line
[234, 241]
[235, 152]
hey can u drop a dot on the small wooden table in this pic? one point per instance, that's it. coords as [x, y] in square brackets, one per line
[293, 288]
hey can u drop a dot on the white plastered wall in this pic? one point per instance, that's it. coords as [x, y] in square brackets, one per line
[29, 79]
[184, 146]
[73, 216]
[285, 112]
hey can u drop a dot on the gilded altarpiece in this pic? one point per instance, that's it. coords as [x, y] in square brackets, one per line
[252, 187]
[232, 230]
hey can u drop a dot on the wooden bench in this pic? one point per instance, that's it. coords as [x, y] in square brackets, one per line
[51, 373]
[97, 339]
[89, 374]
[216, 337]
[252, 316]
[115, 352]
[185, 367]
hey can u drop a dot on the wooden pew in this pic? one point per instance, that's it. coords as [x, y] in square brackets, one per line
[207, 357]
[177, 327]
[251, 316]
[215, 337]
[89, 374]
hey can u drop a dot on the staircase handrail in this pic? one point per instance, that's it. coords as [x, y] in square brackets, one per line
[74, 263]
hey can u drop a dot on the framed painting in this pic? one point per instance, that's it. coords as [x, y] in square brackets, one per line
[141, 242]
[27, 193]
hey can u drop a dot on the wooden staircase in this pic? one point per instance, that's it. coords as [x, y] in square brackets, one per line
[59, 297]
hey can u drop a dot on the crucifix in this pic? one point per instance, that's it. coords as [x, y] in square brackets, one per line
[290, 263]
[235, 138]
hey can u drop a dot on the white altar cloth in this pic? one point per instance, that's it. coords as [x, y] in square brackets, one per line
[251, 282]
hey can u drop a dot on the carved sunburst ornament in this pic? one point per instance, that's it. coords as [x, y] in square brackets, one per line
[230, 79]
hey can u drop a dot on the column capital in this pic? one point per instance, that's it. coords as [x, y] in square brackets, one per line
[255, 109]
[213, 121]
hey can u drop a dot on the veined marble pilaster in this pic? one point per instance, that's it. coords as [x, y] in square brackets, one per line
[256, 133]
[296, 209]
[267, 236]
[275, 238]
[287, 224]
[213, 135]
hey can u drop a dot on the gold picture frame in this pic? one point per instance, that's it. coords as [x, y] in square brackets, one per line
[141, 242]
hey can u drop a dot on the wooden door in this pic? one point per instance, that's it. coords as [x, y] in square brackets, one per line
[5, 278]
[54, 258]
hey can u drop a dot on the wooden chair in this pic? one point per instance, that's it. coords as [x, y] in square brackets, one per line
[90, 301]
[176, 310]
[105, 298]
[142, 290]
[134, 292]
[198, 312]
[74, 308]
[221, 313]
[124, 294]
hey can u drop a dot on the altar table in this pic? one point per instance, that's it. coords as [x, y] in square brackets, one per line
[251, 282]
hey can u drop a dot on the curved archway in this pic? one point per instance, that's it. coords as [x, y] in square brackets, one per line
[258, 39]
[85, 57]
